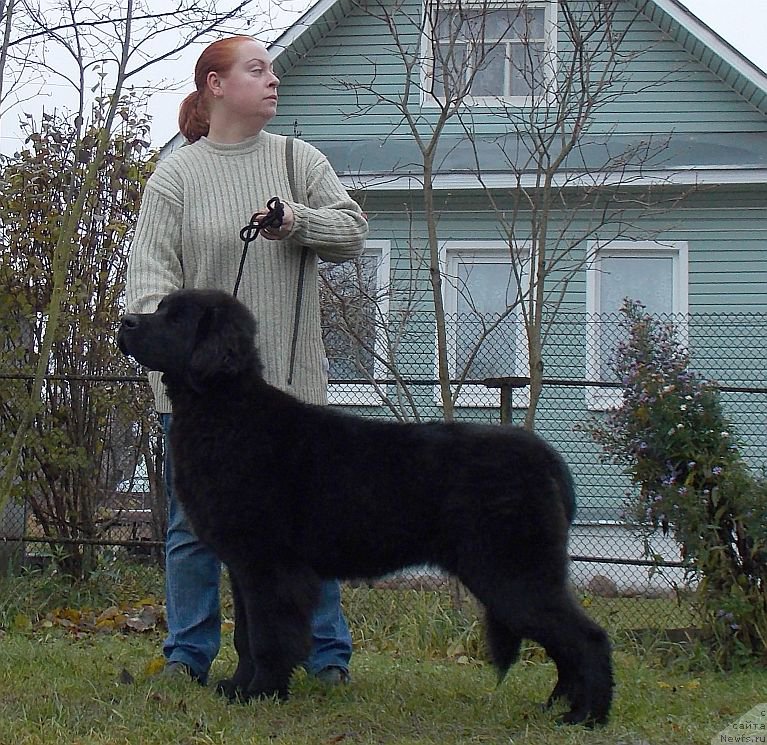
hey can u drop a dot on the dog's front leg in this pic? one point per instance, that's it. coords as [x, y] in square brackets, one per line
[235, 688]
[276, 605]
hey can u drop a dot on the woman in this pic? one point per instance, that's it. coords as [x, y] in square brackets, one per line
[188, 235]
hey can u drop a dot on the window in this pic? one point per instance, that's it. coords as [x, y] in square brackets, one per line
[654, 274]
[489, 51]
[485, 334]
[354, 307]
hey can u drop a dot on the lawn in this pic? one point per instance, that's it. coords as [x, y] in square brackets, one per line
[98, 689]
[75, 675]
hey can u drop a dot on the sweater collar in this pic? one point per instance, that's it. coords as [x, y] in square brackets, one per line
[248, 145]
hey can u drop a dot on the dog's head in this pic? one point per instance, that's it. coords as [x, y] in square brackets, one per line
[197, 338]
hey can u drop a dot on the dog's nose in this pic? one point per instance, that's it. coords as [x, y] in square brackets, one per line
[129, 321]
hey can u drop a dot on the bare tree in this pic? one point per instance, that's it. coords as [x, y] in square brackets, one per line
[15, 58]
[364, 340]
[100, 49]
[6, 17]
[552, 181]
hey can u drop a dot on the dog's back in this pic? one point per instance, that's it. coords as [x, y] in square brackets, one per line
[421, 489]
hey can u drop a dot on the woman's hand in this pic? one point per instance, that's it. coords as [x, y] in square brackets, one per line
[274, 233]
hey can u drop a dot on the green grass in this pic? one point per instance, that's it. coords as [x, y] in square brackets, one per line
[54, 689]
[424, 621]
[618, 614]
[418, 677]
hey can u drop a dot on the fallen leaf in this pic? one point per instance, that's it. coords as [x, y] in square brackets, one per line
[154, 666]
[21, 622]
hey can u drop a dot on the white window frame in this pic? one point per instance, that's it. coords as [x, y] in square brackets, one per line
[364, 394]
[550, 55]
[451, 254]
[604, 399]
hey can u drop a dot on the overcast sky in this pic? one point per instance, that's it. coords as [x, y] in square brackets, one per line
[743, 23]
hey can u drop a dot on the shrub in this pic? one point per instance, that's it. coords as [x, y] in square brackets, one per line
[678, 447]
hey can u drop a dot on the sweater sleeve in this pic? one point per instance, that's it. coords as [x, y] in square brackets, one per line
[331, 223]
[154, 265]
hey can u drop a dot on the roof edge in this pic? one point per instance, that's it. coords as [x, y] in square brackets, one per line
[299, 33]
[676, 13]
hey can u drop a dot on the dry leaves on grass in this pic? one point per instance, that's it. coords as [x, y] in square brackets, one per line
[138, 617]
[141, 617]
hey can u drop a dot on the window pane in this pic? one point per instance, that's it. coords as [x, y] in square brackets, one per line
[488, 80]
[349, 317]
[448, 69]
[497, 24]
[519, 61]
[504, 23]
[486, 287]
[649, 279]
[526, 68]
[529, 23]
[485, 290]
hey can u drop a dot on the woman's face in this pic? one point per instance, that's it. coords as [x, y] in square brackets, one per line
[249, 90]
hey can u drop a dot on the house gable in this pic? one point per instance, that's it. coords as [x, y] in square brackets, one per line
[682, 81]
[704, 44]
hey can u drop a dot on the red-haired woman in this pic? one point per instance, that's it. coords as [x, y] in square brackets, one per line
[188, 236]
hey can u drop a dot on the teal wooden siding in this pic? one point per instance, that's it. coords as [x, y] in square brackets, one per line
[726, 232]
[664, 87]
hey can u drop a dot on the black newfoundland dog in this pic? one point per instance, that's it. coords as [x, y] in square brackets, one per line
[288, 494]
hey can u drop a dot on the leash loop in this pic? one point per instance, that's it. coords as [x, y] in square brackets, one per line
[272, 219]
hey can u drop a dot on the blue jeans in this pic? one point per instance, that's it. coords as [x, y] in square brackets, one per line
[192, 577]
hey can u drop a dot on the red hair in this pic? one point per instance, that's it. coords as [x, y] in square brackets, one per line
[220, 56]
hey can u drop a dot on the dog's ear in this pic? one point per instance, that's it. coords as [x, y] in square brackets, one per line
[218, 350]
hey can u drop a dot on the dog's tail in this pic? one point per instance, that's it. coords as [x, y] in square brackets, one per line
[504, 645]
[566, 488]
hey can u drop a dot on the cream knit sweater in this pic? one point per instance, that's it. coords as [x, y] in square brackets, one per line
[187, 235]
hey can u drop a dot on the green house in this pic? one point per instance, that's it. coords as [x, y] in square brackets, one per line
[548, 155]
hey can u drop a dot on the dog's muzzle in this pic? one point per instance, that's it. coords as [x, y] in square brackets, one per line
[129, 322]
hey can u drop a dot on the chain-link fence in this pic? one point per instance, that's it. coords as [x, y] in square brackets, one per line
[74, 497]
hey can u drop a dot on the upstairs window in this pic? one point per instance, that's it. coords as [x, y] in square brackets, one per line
[489, 51]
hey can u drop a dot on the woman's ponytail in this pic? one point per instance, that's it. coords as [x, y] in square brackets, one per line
[193, 118]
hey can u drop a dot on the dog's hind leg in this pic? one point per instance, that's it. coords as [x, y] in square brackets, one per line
[581, 651]
[277, 605]
[550, 616]
[504, 645]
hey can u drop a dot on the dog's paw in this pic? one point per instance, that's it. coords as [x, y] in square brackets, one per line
[231, 691]
[578, 716]
[275, 694]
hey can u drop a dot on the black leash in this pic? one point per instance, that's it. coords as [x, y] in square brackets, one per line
[272, 219]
